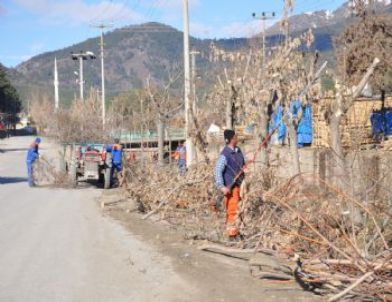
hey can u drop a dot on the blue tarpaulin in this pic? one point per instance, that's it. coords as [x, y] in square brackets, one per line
[305, 126]
[377, 123]
[276, 120]
[388, 122]
[295, 108]
[381, 123]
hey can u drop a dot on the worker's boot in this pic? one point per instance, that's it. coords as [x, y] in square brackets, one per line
[233, 234]
[237, 238]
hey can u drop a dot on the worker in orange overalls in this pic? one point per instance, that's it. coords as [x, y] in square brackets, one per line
[180, 156]
[228, 177]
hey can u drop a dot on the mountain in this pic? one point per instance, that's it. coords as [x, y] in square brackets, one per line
[131, 55]
[135, 52]
[326, 24]
[326, 19]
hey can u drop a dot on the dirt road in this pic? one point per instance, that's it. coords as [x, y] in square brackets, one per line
[57, 245]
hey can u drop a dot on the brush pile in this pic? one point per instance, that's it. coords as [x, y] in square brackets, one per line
[313, 222]
[303, 219]
[48, 173]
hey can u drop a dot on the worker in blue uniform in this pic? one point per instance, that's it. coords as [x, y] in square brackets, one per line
[32, 156]
[117, 155]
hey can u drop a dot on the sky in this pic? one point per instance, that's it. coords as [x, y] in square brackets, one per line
[31, 27]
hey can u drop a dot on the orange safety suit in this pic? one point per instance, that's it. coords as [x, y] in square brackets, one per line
[232, 201]
[229, 173]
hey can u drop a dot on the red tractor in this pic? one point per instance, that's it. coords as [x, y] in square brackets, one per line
[91, 162]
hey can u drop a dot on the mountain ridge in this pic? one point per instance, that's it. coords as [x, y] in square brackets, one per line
[153, 49]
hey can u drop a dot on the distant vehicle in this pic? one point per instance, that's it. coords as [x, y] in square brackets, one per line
[90, 162]
[3, 131]
[30, 130]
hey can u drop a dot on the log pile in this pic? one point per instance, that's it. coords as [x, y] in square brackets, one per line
[304, 220]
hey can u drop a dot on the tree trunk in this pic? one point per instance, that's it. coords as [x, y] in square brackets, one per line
[229, 114]
[294, 148]
[160, 130]
[337, 149]
[340, 108]
[384, 120]
[343, 175]
[170, 146]
[264, 158]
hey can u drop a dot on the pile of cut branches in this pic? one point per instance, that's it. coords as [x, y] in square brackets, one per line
[183, 200]
[314, 224]
[301, 219]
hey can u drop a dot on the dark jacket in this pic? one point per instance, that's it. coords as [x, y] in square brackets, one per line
[235, 161]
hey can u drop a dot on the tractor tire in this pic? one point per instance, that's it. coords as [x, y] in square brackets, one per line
[107, 180]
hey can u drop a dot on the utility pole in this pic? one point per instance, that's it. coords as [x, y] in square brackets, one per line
[56, 86]
[161, 137]
[193, 54]
[264, 17]
[103, 98]
[189, 144]
[82, 56]
[142, 128]
[81, 80]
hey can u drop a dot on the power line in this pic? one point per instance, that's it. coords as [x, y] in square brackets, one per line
[133, 9]
[101, 12]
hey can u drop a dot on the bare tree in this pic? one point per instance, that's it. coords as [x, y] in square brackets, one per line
[82, 122]
[251, 91]
[165, 105]
[369, 37]
[339, 107]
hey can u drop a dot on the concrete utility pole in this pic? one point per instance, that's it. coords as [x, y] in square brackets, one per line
[189, 144]
[56, 86]
[103, 98]
[194, 53]
[81, 79]
[161, 138]
[264, 17]
[82, 56]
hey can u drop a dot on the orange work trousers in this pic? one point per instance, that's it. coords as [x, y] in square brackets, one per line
[232, 201]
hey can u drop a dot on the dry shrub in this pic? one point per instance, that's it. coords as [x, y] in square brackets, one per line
[47, 173]
[82, 122]
[183, 199]
[41, 111]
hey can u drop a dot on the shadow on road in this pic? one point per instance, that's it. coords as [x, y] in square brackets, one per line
[11, 180]
[12, 150]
